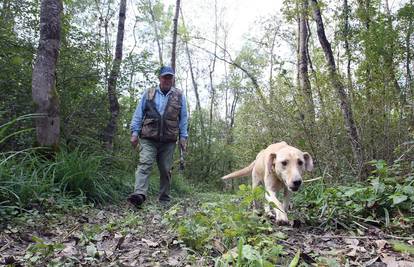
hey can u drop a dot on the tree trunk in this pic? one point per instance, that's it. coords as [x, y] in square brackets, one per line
[336, 82]
[409, 89]
[212, 68]
[271, 63]
[157, 36]
[111, 127]
[408, 56]
[44, 74]
[195, 86]
[347, 49]
[308, 110]
[304, 83]
[370, 130]
[389, 57]
[315, 76]
[174, 39]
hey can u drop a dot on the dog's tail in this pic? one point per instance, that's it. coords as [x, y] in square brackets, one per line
[240, 173]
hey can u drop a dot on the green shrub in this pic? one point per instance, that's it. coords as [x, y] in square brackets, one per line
[386, 195]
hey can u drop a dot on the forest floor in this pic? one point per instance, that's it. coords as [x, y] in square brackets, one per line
[124, 236]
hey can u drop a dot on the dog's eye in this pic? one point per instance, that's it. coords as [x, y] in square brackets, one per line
[300, 162]
[284, 163]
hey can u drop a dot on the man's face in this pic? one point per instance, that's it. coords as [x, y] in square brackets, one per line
[166, 82]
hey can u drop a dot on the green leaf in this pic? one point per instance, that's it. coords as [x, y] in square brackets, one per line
[397, 199]
[280, 235]
[250, 253]
[240, 252]
[295, 260]
[408, 189]
[378, 186]
[16, 60]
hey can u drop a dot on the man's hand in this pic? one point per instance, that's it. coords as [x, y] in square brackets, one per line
[134, 141]
[183, 144]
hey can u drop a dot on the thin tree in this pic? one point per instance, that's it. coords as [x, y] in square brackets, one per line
[308, 111]
[408, 61]
[347, 35]
[389, 57]
[104, 21]
[212, 67]
[304, 83]
[157, 35]
[111, 127]
[410, 89]
[365, 15]
[193, 79]
[174, 39]
[44, 74]
[336, 82]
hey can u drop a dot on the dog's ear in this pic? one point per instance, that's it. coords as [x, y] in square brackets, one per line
[270, 160]
[308, 161]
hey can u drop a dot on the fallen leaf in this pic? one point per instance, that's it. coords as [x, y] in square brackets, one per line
[389, 260]
[69, 249]
[371, 261]
[173, 262]
[218, 246]
[352, 253]
[120, 240]
[351, 241]
[405, 263]
[100, 215]
[380, 244]
[102, 236]
[155, 253]
[150, 243]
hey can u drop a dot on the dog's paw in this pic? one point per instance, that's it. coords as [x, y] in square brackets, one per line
[271, 215]
[281, 218]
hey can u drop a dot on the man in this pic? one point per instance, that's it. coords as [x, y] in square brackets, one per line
[159, 118]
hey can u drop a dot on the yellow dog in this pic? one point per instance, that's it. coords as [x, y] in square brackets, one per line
[279, 166]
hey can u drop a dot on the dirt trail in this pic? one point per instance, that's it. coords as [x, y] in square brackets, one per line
[113, 235]
[123, 236]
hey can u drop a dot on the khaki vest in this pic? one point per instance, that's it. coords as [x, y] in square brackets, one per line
[163, 128]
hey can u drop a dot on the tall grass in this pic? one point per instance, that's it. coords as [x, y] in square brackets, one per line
[84, 172]
[32, 174]
[27, 176]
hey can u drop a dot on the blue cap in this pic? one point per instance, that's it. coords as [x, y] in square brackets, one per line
[166, 70]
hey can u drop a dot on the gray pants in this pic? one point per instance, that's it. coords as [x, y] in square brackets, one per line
[163, 154]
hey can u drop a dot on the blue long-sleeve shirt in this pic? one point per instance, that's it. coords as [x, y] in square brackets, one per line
[160, 102]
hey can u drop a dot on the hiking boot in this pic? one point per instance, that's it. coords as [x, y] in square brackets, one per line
[136, 199]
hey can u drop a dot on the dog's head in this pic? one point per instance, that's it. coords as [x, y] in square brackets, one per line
[288, 164]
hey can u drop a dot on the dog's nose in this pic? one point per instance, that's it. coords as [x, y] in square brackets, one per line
[297, 183]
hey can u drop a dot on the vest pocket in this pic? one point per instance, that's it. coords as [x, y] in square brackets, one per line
[149, 128]
[171, 129]
[172, 111]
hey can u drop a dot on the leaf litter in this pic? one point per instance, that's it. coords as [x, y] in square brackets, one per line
[123, 236]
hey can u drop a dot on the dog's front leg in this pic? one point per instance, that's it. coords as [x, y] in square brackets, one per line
[281, 216]
[286, 201]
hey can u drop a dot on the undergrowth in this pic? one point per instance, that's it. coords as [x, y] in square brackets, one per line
[31, 177]
[230, 232]
[385, 199]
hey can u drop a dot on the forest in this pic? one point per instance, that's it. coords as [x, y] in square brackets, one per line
[332, 78]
